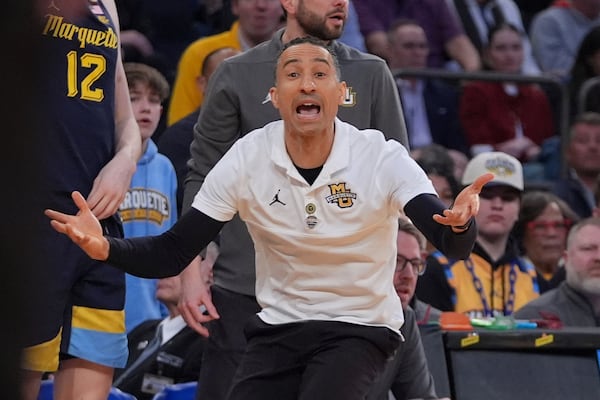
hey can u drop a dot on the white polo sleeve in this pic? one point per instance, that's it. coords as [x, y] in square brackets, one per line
[403, 176]
[219, 194]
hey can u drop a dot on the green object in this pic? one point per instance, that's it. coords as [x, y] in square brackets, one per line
[503, 323]
[482, 322]
[496, 323]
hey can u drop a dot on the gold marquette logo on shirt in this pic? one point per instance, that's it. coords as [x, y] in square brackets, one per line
[349, 97]
[141, 204]
[341, 195]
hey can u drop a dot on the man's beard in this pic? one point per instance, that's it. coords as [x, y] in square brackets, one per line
[316, 26]
[590, 286]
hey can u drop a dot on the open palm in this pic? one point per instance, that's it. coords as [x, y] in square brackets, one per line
[83, 229]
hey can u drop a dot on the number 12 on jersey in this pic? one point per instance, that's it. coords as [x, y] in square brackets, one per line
[82, 86]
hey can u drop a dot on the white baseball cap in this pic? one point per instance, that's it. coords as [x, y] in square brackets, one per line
[507, 169]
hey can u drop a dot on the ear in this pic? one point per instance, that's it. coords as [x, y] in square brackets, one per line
[274, 97]
[235, 8]
[201, 82]
[342, 86]
[289, 6]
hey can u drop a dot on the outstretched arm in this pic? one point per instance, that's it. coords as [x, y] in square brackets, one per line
[465, 207]
[451, 231]
[149, 256]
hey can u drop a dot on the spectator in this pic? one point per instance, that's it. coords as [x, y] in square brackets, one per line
[257, 21]
[429, 105]
[576, 302]
[411, 248]
[407, 375]
[149, 207]
[583, 160]
[586, 66]
[494, 280]
[478, 16]
[321, 315]
[438, 164]
[446, 38]
[175, 358]
[507, 117]
[542, 228]
[176, 139]
[557, 32]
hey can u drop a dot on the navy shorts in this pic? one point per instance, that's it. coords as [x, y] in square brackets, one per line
[79, 309]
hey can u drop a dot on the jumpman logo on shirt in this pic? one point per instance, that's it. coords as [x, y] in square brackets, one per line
[54, 6]
[276, 199]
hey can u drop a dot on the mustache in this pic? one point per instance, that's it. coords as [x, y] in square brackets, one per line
[339, 10]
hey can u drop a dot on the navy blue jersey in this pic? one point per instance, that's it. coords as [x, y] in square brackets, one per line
[77, 96]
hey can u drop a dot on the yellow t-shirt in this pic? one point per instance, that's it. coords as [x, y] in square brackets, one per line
[186, 97]
[479, 288]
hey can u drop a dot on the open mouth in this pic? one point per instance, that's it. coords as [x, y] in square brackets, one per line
[308, 110]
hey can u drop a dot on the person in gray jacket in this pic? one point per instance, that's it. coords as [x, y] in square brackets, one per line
[576, 301]
[237, 101]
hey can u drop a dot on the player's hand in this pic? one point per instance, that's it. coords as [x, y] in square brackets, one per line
[466, 204]
[195, 292]
[83, 228]
[110, 187]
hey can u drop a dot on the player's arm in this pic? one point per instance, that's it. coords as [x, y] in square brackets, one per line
[113, 181]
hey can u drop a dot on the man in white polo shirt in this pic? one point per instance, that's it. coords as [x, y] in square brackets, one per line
[321, 201]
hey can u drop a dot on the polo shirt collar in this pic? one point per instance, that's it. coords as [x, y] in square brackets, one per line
[338, 159]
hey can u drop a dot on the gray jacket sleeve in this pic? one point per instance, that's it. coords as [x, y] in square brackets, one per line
[387, 113]
[215, 132]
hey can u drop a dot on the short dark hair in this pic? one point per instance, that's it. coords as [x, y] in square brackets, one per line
[585, 118]
[435, 159]
[317, 42]
[142, 73]
[501, 26]
[397, 24]
[406, 226]
[594, 221]
[209, 56]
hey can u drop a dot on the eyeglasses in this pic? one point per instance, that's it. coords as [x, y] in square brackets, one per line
[506, 196]
[417, 264]
[544, 226]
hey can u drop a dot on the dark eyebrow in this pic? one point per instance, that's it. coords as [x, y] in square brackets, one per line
[317, 59]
